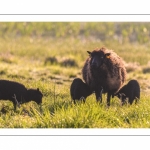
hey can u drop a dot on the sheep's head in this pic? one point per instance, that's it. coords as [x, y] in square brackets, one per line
[98, 58]
[35, 95]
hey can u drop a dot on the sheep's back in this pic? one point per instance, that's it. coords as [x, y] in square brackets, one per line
[134, 87]
[9, 88]
[75, 85]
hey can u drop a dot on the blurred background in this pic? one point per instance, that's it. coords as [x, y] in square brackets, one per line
[113, 31]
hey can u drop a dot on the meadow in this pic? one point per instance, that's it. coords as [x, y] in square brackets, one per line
[49, 56]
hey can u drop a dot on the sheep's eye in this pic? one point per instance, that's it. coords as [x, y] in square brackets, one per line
[102, 57]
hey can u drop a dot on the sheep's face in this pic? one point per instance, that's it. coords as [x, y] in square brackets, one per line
[97, 58]
[39, 96]
[35, 95]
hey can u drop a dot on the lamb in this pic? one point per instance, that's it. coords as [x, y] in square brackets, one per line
[79, 90]
[18, 93]
[131, 91]
[104, 72]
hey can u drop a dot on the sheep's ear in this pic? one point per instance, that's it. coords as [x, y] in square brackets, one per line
[37, 89]
[107, 55]
[89, 52]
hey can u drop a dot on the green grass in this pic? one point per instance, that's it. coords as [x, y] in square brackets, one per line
[23, 57]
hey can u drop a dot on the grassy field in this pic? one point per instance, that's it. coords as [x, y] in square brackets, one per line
[39, 56]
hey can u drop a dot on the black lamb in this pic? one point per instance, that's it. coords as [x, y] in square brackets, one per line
[104, 72]
[130, 91]
[79, 90]
[18, 93]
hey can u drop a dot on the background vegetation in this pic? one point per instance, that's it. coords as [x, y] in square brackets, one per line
[49, 55]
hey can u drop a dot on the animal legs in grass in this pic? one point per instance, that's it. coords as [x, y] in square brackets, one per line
[108, 98]
[82, 99]
[14, 104]
[98, 94]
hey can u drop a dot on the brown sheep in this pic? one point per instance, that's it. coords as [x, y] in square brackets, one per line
[131, 91]
[79, 90]
[104, 71]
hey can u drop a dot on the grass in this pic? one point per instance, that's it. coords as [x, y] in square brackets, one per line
[29, 59]
[63, 114]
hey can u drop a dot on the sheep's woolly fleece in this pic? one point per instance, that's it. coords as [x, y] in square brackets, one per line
[113, 66]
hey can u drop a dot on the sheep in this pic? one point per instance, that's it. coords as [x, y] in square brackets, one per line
[131, 91]
[104, 72]
[79, 90]
[18, 94]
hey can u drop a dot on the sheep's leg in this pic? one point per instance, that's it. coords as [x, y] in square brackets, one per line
[136, 100]
[74, 101]
[98, 94]
[131, 101]
[82, 99]
[123, 102]
[122, 98]
[101, 94]
[14, 104]
[131, 98]
[108, 98]
[16, 101]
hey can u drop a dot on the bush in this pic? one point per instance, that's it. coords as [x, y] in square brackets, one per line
[51, 60]
[146, 69]
[68, 62]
